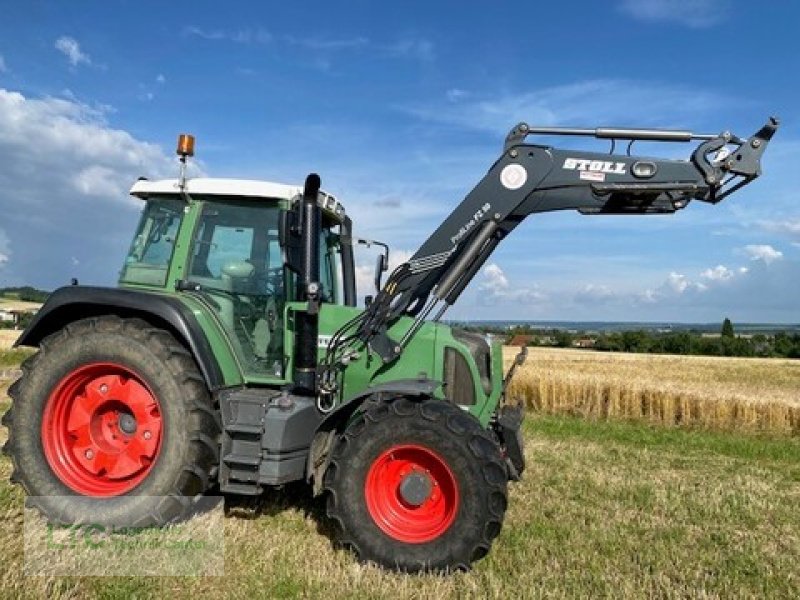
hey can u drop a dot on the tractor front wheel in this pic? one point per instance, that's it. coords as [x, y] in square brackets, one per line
[417, 486]
[111, 423]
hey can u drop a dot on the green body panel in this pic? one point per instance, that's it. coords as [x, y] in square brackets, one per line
[423, 357]
[220, 344]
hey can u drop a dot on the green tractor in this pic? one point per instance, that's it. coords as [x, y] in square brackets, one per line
[232, 355]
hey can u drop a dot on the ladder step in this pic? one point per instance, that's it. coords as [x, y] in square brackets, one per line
[242, 488]
[242, 459]
[243, 428]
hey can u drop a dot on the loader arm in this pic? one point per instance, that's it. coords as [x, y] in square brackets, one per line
[531, 178]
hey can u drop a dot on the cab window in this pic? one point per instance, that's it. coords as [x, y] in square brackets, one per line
[150, 254]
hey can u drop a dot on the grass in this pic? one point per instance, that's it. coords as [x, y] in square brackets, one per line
[12, 358]
[731, 394]
[7, 338]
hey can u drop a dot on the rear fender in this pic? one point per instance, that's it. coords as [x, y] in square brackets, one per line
[68, 304]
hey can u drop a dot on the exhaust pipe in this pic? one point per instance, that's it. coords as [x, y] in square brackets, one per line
[307, 323]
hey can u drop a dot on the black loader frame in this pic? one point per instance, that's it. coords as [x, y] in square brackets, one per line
[532, 178]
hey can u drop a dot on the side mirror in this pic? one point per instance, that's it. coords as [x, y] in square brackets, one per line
[381, 265]
[289, 239]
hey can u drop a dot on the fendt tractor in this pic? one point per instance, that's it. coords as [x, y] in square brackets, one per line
[232, 358]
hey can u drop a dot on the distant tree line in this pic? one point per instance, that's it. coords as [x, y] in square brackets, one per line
[786, 345]
[725, 343]
[25, 294]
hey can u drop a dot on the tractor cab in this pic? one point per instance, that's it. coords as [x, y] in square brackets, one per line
[221, 238]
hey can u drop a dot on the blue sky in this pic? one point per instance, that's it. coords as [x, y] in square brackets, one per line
[401, 107]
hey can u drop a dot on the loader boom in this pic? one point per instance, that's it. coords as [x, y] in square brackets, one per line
[530, 178]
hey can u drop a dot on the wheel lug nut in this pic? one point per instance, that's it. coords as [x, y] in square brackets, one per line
[147, 435]
[89, 454]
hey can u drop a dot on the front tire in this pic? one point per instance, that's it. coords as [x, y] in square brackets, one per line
[111, 424]
[417, 486]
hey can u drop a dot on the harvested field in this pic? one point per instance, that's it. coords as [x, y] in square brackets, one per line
[690, 391]
[7, 338]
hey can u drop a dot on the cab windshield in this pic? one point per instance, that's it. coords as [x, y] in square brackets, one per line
[150, 253]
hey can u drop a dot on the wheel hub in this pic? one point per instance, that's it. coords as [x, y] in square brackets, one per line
[101, 430]
[127, 423]
[415, 488]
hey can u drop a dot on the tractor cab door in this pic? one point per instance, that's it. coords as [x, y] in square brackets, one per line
[238, 261]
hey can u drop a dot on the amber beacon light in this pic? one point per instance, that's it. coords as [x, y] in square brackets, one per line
[185, 145]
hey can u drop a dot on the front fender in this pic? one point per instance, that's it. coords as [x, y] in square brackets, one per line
[412, 388]
[325, 436]
[71, 303]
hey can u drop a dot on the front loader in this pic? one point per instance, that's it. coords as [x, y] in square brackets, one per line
[232, 354]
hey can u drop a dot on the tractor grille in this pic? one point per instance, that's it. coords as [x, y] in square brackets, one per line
[481, 353]
[459, 387]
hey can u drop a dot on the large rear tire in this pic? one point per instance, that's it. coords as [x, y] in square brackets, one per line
[417, 486]
[111, 423]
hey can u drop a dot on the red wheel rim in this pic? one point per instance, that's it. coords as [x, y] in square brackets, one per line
[101, 430]
[418, 517]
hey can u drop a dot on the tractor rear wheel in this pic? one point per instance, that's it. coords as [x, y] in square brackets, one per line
[417, 486]
[111, 423]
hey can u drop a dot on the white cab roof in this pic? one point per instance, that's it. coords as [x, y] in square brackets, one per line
[219, 187]
[209, 186]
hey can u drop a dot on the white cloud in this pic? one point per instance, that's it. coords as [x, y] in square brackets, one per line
[790, 226]
[594, 294]
[70, 48]
[63, 188]
[99, 181]
[455, 94]
[763, 252]
[414, 48]
[365, 267]
[495, 287]
[718, 273]
[410, 47]
[3, 67]
[583, 102]
[160, 78]
[678, 282]
[314, 43]
[239, 36]
[495, 279]
[692, 13]
[5, 250]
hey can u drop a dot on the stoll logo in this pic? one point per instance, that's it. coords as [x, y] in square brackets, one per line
[595, 166]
